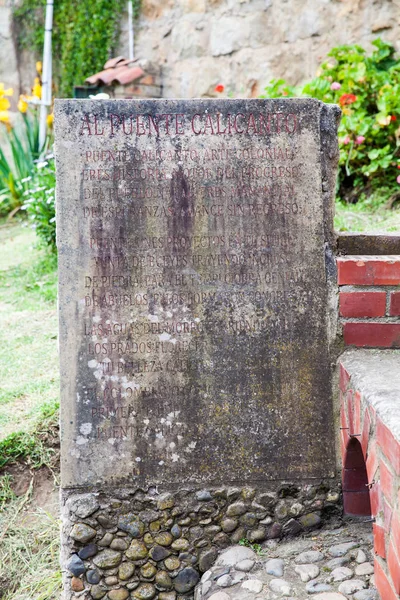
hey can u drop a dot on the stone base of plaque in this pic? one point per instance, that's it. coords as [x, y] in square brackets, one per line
[156, 543]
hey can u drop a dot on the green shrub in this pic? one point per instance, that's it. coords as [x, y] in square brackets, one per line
[39, 201]
[367, 88]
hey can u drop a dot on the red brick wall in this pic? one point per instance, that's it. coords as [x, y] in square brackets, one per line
[381, 452]
[369, 300]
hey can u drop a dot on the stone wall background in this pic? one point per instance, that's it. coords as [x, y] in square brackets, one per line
[239, 43]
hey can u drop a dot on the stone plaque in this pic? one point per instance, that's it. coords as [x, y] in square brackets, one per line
[194, 326]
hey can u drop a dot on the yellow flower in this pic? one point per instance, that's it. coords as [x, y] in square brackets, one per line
[4, 116]
[23, 104]
[3, 92]
[37, 88]
[50, 119]
[4, 104]
[39, 67]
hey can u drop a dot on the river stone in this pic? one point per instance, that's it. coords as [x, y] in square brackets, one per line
[120, 594]
[314, 586]
[87, 551]
[158, 553]
[310, 556]
[111, 580]
[106, 540]
[224, 581]
[82, 533]
[234, 555]
[364, 569]
[181, 544]
[236, 509]
[176, 531]
[253, 585]
[256, 535]
[329, 596]
[203, 495]
[275, 567]
[164, 539]
[172, 563]
[77, 584]
[307, 572]
[369, 594]
[146, 591]
[340, 561]
[107, 559]
[126, 570]
[229, 525]
[167, 596]
[186, 580]
[341, 574]
[148, 570]
[245, 565]
[342, 549]
[207, 559]
[279, 586]
[75, 565]
[361, 557]
[163, 579]
[83, 506]
[119, 544]
[93, 576]
[310, 520]
[165, 501]
[97, 592]
[219, 596]
[132, 525]
[137, 550]
[351, 586]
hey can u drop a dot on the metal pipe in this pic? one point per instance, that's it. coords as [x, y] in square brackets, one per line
[46, 75]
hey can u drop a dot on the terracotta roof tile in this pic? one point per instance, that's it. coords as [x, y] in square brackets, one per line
[117, 69]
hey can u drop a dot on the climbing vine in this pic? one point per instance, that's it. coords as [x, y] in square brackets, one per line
[85, 35]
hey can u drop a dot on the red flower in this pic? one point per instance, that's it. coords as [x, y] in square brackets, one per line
[393, 118]
[347, 99]
[219, 88]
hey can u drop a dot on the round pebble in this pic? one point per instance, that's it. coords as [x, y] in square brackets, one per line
[311, 556]
[351, 586]
[307, 572]
[364, 569]
[253, 585]
[279, 586]
[275, 567]
[245, 565]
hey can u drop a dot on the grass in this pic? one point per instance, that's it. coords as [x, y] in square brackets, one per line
[29, 552]
[367, 217]
[29, 401]
[28, 331]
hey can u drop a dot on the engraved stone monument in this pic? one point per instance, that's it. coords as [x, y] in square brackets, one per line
[195, 330]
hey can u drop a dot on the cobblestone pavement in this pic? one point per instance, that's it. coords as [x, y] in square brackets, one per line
[331, 564]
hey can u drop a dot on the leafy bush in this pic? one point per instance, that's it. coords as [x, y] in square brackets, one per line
[39, 201]
[367, 88]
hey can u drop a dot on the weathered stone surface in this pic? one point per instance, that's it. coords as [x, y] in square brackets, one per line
[342, 549]
[126, 571]
[77, 584]
[307, 572]
[83, 506]
[146, 591]
[310, 556]
[136, 550]
[186, 580]
[98, 591]
[75, 565]
[82, 533]
[132, 525]
[275, 567]
[280, 586]
[351, 586]
[87, 551]
[236, 554]
[107, 559]
[226, 231]
[119, 594]
[207, 559]
[93, 576]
